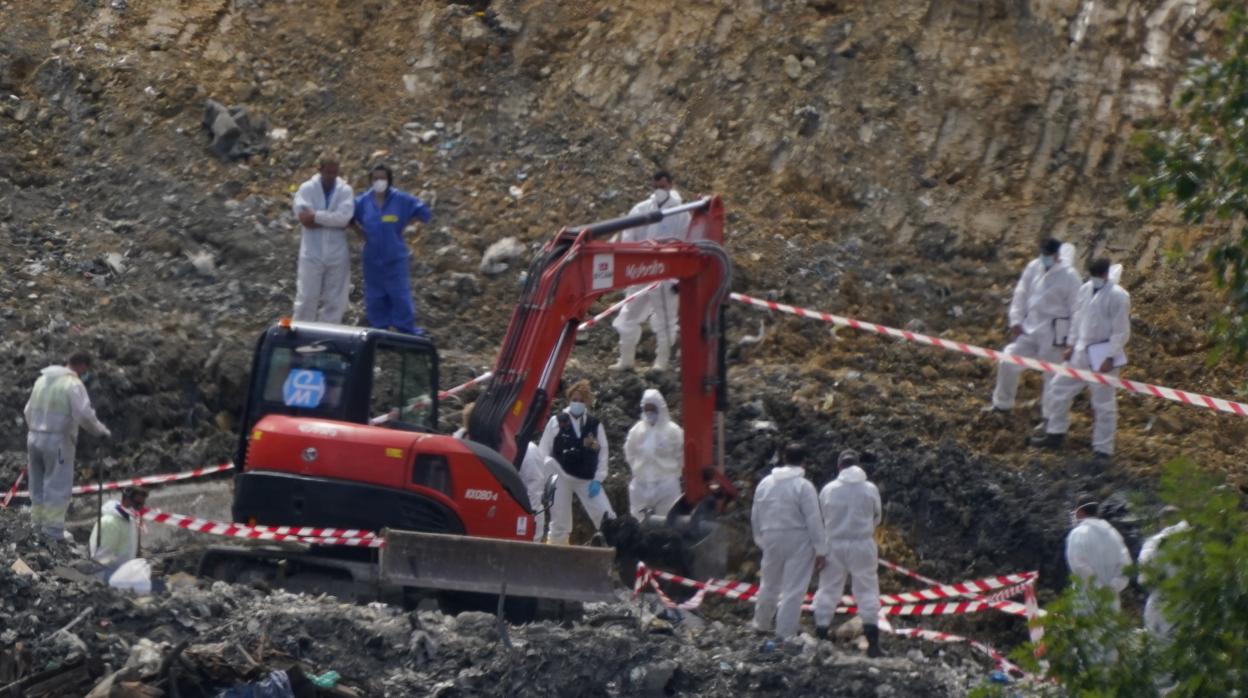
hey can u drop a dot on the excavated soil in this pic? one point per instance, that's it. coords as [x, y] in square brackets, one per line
[888, 160]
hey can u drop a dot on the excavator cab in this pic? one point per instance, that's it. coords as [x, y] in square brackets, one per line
[347, 374]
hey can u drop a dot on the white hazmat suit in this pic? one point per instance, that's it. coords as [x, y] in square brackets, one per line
[1155, 620]
[655, 454]
[114, 540]
[534, 470]
[659, 306]
[58, 405]
[596, 506]
[851, 510]
[789, 529]
[1096, 552]
[324, 277]
[1101, 328]
[1043, 305]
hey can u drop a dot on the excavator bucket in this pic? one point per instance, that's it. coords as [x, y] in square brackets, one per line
[487, 565]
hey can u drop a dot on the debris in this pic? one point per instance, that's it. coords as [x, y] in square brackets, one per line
[21, 569]
[498, 256]
[233, 134]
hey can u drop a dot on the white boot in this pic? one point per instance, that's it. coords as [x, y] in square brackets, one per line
[628, 354]
[662, 354]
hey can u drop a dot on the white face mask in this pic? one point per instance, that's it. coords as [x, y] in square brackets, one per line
[380, 186]
[1047, 260]
[660, 196]
[576, 409]
[1098, 284]
[651, 418]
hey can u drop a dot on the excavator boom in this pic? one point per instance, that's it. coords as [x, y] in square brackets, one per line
[572, 271]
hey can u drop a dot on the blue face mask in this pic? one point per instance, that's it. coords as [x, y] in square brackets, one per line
[1047, 260]
[576, 409]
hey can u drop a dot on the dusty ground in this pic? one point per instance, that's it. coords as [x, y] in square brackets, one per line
[892, 160]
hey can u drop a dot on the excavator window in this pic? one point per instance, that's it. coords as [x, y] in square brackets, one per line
[309, 382]
[402, 386]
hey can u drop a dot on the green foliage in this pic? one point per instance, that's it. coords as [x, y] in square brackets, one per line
[1199, 162]
[1203, 577]
[1094, 650]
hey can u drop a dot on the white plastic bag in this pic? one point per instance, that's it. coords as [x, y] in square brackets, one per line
[135, 575]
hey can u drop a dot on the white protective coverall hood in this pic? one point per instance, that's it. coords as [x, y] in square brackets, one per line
[1095, 551]
[789, 529]
[1154, 620]
[324, 259]
[655, 455]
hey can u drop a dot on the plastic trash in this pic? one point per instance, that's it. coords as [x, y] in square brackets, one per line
[275, 685]
[999, 676]
[327, 680]
[134, 575]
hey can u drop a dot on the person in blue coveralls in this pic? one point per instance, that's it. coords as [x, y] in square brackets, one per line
[381, 215]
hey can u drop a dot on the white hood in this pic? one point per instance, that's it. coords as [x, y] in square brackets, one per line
[56, 371]
[852, 474]
[787, 472]
[654, 397]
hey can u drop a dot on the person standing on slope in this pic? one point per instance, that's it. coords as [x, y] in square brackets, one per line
[324, 205]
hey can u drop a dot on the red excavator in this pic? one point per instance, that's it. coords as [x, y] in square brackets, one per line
[455, 515]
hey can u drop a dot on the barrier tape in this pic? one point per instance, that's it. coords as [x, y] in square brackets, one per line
[909, 573]
[1012, 583]
[13, 490]
[1002, 587]
[938, 636]
[134, 482]
[1160, 391]
[265, 533]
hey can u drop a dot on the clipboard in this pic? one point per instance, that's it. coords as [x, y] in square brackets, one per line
[1097, 353]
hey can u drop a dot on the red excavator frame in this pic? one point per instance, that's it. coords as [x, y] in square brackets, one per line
[575, 269]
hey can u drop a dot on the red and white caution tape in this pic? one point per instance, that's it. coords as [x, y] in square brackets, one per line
[1160, 391]
[908, 573]
[140, 481]
[615, 307]
[13, 490]
[1001, 587]
[315, 536]
[938, 636]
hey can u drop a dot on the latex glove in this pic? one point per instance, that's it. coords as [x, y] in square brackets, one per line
[595, 488]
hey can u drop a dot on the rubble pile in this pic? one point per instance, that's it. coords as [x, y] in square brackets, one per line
[64, 633]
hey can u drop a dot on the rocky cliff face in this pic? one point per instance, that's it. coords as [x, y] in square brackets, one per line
[895, 161]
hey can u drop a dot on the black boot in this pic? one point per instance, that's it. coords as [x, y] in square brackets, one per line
[1049, 441]
[873, 640]
[821, 632]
